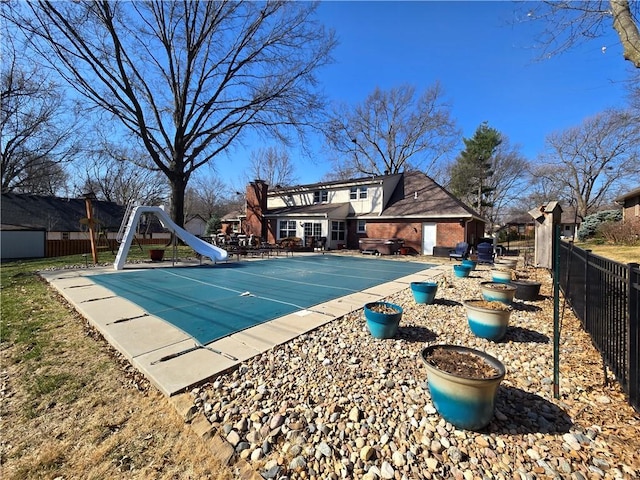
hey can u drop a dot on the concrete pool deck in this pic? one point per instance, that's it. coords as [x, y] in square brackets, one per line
[171, 359]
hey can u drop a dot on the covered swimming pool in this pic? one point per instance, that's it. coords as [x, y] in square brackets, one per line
[210, 302]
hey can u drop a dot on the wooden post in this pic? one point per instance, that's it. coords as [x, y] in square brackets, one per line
[92, 235]
[546, 218]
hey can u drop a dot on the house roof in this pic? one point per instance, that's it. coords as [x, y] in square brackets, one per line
[568, 216]
[633, 193]
[279, 190]
[233, 216]
[317, 209]
[419, 196]
[415, 196]
[57, 214]
[522, 219]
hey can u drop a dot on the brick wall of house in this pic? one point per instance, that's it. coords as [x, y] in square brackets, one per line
[272, 232]
[631, 210]
[256, 199]
[448, 233]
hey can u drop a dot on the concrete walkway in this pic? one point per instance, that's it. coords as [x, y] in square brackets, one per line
[170, 358]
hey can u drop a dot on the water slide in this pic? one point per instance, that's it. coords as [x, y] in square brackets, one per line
[203, 248]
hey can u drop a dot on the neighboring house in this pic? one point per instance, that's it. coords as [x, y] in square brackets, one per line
[59, 217]
[524, 224]
[196, 225]
[569, 222]
[61, 220]
[630, 203]
[409, 206]
[232, 222]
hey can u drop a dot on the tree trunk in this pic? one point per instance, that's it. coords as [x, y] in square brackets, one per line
[627, 30]
[178, 187]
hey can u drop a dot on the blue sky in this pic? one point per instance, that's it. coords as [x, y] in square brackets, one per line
[483, 57]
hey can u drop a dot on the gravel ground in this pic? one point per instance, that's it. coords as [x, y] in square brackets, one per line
[336, 403]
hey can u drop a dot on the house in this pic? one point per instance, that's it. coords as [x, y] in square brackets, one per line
[522, 226]
[519, 227]
[195, 225]
[630, 206]
[232, 222]
[569, 222]
[61, 222]
[409, 206]
[59, 217]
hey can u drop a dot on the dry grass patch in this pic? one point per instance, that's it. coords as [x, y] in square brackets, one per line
[617, 253]
[72, 408]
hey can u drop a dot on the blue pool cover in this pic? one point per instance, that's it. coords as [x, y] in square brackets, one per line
[211, 302]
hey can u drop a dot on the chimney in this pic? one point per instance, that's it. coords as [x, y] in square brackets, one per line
[256, 207]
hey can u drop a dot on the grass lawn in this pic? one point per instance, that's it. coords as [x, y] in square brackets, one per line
[617, 253]
[71, 406]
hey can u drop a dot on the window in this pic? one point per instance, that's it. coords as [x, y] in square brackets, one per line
[337, 231]
[320, 196]
[358, 193]
[287, 228]
[362, 226]
[312, 230]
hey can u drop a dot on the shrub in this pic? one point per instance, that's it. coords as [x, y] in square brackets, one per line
[621, 233]
[589, 227]
[213, 225]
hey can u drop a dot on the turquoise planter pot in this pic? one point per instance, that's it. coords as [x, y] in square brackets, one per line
[505, 262]
[383, 325]
[461, 271]
[486, 322]
[470, 263]
[498, 292]
[466, 403]
[501, 275]
[424, 292]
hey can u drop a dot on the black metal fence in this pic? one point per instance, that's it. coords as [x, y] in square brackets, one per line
[605, 296]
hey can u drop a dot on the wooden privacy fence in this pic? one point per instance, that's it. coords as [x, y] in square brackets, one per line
[60, 248]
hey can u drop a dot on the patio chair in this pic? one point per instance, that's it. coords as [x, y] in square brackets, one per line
[485, 253]
[461, 251]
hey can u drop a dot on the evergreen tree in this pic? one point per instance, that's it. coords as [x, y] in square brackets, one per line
[213, 225]
[473, 166]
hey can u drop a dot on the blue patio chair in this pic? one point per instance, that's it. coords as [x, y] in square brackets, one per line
[485, 253]
[461, 251]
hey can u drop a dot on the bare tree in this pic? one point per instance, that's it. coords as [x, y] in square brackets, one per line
[207, 196]
[186, 80]
[273, 165]
[541, 189]
[391, 131]
[593, 160]
[508, 181]
[568, 23]
[36, 128]
[121, 175]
